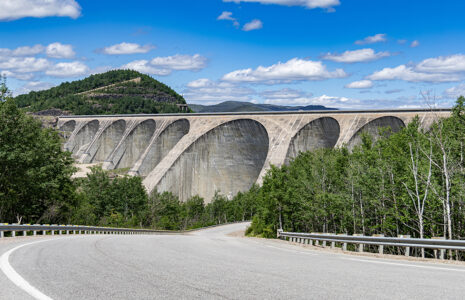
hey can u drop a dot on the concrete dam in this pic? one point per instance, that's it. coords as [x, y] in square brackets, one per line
[198, 154]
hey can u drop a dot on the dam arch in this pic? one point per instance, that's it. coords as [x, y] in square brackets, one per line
[163, 144]
[108, 140]
[83, 138]
[227, 158]
[320, 133]
[134, 145]
[372, 128]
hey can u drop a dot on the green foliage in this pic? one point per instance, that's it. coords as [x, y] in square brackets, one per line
[396, 185]
[35, 173]
[115, 97]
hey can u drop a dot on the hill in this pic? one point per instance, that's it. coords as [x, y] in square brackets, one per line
[113, 92]
[237, 106]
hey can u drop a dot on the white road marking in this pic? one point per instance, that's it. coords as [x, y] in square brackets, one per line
[405, 265]
[16, 278]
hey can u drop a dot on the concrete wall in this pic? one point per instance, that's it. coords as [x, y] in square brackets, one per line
[194, 154]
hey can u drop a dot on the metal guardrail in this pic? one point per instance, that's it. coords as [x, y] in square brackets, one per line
[404, 241]
[43, 229]
[36, 229]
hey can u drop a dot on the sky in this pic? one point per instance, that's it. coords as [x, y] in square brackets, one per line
[347, 54]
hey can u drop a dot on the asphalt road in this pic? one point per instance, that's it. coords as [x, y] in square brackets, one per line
[211, 264]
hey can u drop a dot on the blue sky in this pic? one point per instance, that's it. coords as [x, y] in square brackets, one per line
[338, 53]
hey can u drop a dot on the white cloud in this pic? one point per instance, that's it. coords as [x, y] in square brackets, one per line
[33, 86]
[285, 93]
[17, 9]
[68, 69]
[328, 101]
[455, 92]
[415, 44]
[126, 48]
[20, 76]
[163, 66]
[58, 50]
[439, 69]
[362, 84]
[407, 73]
[207, 90]
[362, 55]
[27, 50]
[180, 62]
[380, 37]
[253, 25]
[292, 70]
[443, 64]
[144, 66]
[227, 15]
[305, 3]
[25, 64]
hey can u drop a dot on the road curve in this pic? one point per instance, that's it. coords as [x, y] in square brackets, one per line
[211, 264]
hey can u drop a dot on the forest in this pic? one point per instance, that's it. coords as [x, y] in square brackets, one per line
[119, 96]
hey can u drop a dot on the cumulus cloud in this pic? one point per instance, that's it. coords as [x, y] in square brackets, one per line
[455, 92]
[362, 55]
[25, 64]
[407, 73]
[180, 62]
[20, 76]
[33, 86]
[163, 66]
[439, 69]
[285, 93]
[17, 9]
[253, 25]
[227, 15]
[443, 64]
[415, 44]
[377, 38]
[293, 70]
[58, 50]
[305, 3]
[328, 101]
[144, 66]
[68, 69]
[208, 90]
[362, 84]
[126, 48]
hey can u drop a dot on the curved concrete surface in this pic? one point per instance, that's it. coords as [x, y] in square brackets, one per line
[373, 128]
[107, 142]
[227, 159]
[319, 133]
[163, 144]
[211, 264]
[83, 137]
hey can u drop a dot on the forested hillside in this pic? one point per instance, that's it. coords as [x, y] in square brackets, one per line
[113, 92]
[411, 182]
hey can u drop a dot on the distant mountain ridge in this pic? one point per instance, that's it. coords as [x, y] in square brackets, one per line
[238, 106]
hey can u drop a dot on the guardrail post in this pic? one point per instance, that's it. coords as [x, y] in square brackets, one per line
[407, 249]
[34, 233]
[360, 246]
[1, 234]
[380, 247]
[13, 233]
[60, 232]
[344, 245]
[441, 251]
[333, 243]
[24, 233]
[44, 232]
[53, 232]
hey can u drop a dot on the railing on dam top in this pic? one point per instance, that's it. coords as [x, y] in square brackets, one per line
[404, 241]
[300, 112]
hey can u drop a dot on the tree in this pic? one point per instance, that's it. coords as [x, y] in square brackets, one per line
[35, 174]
